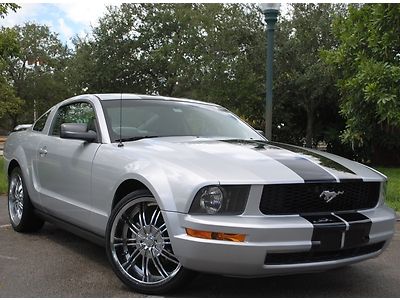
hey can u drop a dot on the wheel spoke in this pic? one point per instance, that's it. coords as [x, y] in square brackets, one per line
[118, 240]
[16, 198]
[18, 187]
[164, 243]
[135, 254]
[145, 268]
[155, 216]
[131, 226]
[159, 266]
[122, 240]
[162, 228]
[124, 244]
[166, 254]
[140, 243]
[142, 216]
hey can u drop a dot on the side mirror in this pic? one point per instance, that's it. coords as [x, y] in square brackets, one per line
[77, 131]
[22, 127]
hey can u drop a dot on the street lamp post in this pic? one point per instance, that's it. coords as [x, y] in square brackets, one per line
[271, 11]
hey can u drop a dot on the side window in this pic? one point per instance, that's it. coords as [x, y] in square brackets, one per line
[79, 112]
[41, 122]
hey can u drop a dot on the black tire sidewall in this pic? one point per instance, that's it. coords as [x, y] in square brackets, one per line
[156, 289]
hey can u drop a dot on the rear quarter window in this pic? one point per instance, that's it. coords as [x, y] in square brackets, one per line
[41, 122]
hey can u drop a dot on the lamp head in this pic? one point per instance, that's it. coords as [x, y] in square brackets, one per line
[265, 7]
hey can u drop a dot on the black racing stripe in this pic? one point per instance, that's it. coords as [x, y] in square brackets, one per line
[309, 171]
[326, 162]
[331, 233]
[327, 232]
[359, 229]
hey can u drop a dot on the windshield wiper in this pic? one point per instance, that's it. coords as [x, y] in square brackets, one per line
[246, 140]
[136, 138]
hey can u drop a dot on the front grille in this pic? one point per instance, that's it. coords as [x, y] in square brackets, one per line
[306, 197]
[318, 256]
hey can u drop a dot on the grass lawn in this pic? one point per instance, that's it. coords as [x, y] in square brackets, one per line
[393, 188]
[392, 195]
[3, 178]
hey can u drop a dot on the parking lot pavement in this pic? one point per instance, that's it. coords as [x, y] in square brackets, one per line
[54, 263]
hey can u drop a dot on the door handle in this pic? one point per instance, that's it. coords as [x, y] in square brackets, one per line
[43, 151]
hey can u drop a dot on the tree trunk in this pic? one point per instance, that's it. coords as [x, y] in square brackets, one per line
[14, 121]
[310, 127]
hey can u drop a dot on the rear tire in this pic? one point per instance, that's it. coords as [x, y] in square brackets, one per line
[20, 208]
[139, 248]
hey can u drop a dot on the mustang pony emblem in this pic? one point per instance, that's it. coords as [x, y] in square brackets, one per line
[328, 196]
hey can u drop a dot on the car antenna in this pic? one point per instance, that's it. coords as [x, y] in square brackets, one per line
[120, 122]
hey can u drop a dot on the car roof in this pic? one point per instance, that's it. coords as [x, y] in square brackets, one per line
[128, 96]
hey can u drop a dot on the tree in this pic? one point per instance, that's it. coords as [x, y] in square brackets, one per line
[204, 51]
[368, 61]
[306, 106]
[10, 104]
[6, 7]
[8, 42]
[37, 73]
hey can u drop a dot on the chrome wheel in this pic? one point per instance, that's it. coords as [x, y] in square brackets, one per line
[16, 199]
[140, 245]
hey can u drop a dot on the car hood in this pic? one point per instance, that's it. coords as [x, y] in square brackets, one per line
[255, 162]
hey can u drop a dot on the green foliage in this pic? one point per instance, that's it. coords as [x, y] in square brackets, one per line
[368, 59]
[9, 103]
[216, 52]
[305, 92]
[393, 187]
[37, 72]
[3, 178]
[6, 7]
[8, 44]
[204, 51]
[8, 38]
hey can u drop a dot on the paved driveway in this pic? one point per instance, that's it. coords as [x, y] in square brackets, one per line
[54, 263]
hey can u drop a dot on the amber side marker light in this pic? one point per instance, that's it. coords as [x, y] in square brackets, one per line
[231, 237]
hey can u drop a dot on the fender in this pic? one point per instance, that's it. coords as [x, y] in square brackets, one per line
[22, 141]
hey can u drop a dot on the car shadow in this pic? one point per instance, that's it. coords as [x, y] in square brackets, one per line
[334, 283]
[74, 243]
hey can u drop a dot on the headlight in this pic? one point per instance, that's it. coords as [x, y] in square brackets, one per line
[227, 199]
[211, 200]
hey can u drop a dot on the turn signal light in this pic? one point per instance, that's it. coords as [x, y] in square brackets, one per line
[231, 237]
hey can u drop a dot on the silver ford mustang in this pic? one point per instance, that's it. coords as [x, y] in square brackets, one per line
[171, 186]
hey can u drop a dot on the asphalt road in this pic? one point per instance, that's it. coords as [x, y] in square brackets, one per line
[54, 263]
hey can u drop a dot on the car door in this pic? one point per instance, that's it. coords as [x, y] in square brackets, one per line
[64, 166]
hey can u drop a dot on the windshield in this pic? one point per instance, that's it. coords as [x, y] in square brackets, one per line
[158, 118]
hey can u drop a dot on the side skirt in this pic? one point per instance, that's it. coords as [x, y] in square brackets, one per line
[83, 233]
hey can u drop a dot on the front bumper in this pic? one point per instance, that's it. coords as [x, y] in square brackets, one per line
[264, 235]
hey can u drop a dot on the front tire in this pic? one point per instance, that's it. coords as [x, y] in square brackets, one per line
[139, 248]
[20, 208]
